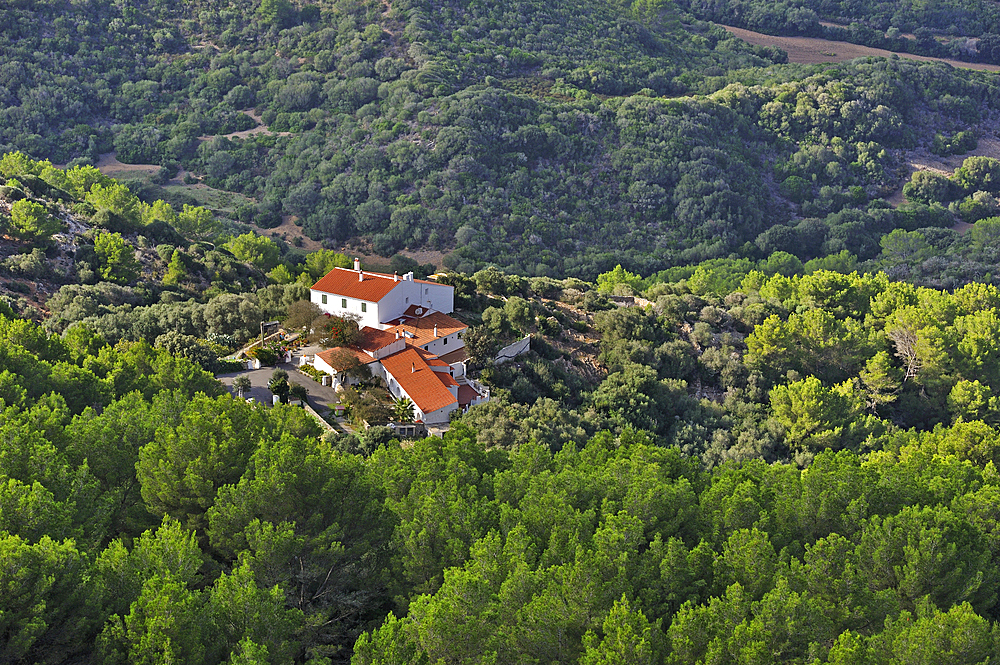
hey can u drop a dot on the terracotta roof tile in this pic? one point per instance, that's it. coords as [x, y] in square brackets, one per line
[343, 282]
[428, 357]
[422, 328]
[338, 357]
[466, 394]
[424, 386]
[373, 339]
[417, 310]
[458, 355]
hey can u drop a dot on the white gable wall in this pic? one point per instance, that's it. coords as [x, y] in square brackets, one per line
[443, 345]
[439, 417]
[334, 305]
[406, 292]
[432, 296]
[395, 347]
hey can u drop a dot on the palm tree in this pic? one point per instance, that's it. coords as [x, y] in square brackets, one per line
[279, 385]
[402, 409]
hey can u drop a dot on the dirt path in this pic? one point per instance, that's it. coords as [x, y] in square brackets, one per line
[259, 129]
[811, 50]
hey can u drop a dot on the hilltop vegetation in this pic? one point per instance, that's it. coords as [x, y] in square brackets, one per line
[801, 467]
[703, 477]
[550, 140]
[759, 418]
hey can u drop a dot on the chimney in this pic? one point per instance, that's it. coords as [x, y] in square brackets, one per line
[435, 330]
[361, 276]
[357, 264]
[397, 334]
[413, 368]
[395, 276]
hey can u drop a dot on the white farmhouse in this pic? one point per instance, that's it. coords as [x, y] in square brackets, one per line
[376, 298]
[407, 339]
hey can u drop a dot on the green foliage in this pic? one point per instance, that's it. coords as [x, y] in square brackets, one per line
[322, 261]
[183, 467]
[619, 277]
[196, 222]
[39, 581]
[256, 250]
[117, 199]
[176, 271]
[116, 258]
[31, 221]
[275, 12]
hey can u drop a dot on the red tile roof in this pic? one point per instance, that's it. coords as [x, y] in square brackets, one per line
[339, 357]
[428, 357]
[373, 339]
[466, 394]
[343, 282]
[424, 386]
[374, 286]
[417, 310]
[422, 328]
[455, 356]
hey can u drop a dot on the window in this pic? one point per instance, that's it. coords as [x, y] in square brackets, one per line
[343, 303]
[407, 301]
[445, 341]
[364, 307]
[324, 298]
[425, 290]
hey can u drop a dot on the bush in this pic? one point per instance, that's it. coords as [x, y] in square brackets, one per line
[265, 355]
[312, 372]
[225, 366]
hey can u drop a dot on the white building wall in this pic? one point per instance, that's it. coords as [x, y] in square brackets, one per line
[392, 305]
[378, 371]
[437, 296]
[323, 366]
[437, 417]
[334, 306]
[394, 347]
[406, 292]
[438, 346]
[409, 292]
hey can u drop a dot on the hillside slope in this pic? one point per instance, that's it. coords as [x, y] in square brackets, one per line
[551, 139]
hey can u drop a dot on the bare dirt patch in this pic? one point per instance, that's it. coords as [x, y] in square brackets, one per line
[811, 50]
[289, 231]
[422, 256]
[923, 160]
[109, 165]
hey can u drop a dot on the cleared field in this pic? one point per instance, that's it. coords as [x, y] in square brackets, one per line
[110, 166]
[810, 50]
[214, 199]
